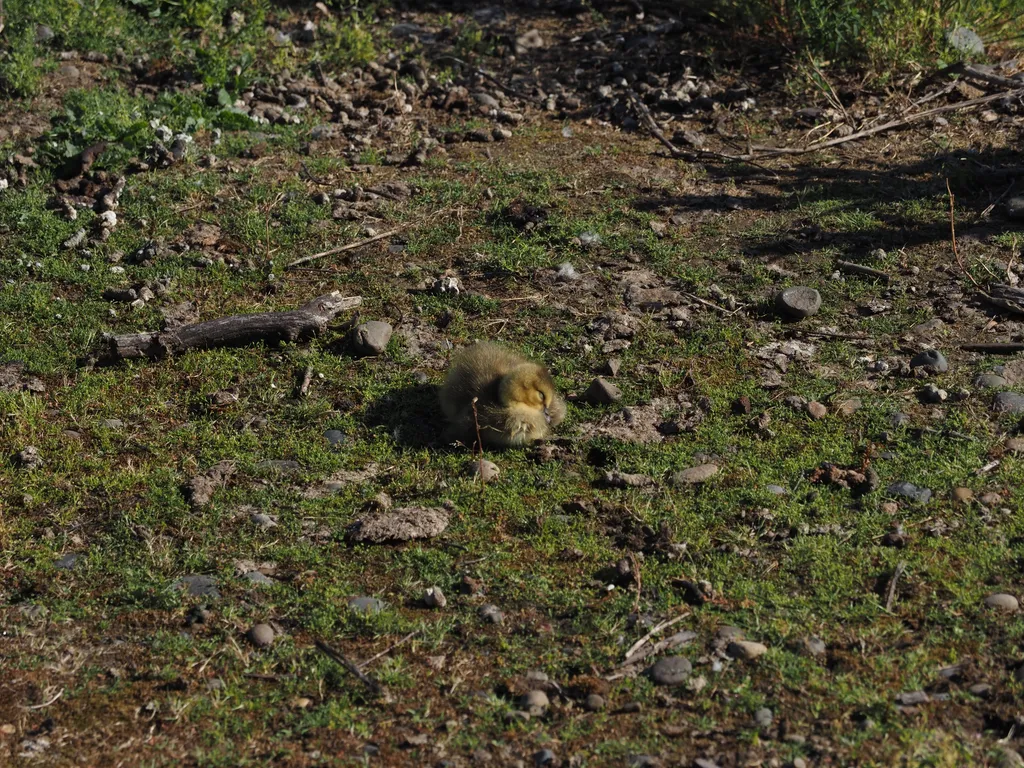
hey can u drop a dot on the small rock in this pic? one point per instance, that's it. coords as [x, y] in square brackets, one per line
[966, 42]
[69, 561]
[612, 366]
[29, 458]
[198, 585]
[982, 690]
[529, 40]
[1002, 602]
[745, 650]
[335, 437]
[257, 577]
[434, 598]
[594, 703]
[816, 410]
[567, 273]
[798, 302]
[1008, 403]
[544, 757]
[990, 381]
[482, 468]
[909, 491]
[491, 613]
[371, 338]
[602, 392]
[913, 698]
[812, 646]
[366, 605]
[262, 520]
[695, 475]
[932, 394]
[1015, 208]
[763, 718]
[261, 635]
[1015, 445]
[534, 702]
[672, 670]
[930, 358]
[44, 34]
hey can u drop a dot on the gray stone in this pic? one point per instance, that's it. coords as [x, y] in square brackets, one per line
[262, 520]
[1003, 602]
[798, 302]
[910, 491]
[482, 468]
[990, 381]
[43, 34]
[529, 40]
[534, 702]
[567, 273]
[371, 338]
[485, 99]
[261, 635]
[112, 423]
[434, 598]
[335, 437]
[1008, 402]
[602, 392]
[695, 475]
[612, 366]
[594, 703]
[257, 577]
[966, 42]
[930, 358]
[763, 717]
[1015, 208]
[672, 670]
[366, 605]
[745, 650]
[491, 613]
[69, 561]
[913, 698]
[198, 585]
[29, 458]
[932, 394]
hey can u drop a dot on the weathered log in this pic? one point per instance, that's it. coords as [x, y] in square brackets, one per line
[233, 331]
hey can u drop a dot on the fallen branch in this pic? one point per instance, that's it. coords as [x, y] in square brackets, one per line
[386, 651]
[892, 585]
[336, 656]
[654, 630]
[994, 349]
[307, 377]
[343, 248]
[852, 268]
[969, 72]
[1005, 297]
[233, 331]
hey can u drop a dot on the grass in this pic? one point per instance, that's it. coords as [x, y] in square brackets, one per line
[118, 641]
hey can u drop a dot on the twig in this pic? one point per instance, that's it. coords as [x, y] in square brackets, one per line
[386, 651]
[654, 630]
[952, 233]
[636, 574]
[859, 269]
[307, 376]
[652, 126]
[760, 152]
[994, 349]
[339, 658]
[892, 585]
[969, 71]
[349, 247]
[995, 202]
[309, 175]
[59, 693]
[712, 304]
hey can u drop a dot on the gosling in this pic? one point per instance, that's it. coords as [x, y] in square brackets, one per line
[516, 401]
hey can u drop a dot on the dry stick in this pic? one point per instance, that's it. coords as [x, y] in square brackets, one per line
[51, 701]
[652, 126]
[654, 630]
[349, 247]
[952, 233]
[339, 658]
[757, 151]
[388, 650]
[859, 269]
[639, 582]
[970, 72]
[994, 349]
[892, 584]
[307, 376]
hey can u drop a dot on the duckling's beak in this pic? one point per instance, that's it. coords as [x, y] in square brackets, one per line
[547, 416]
